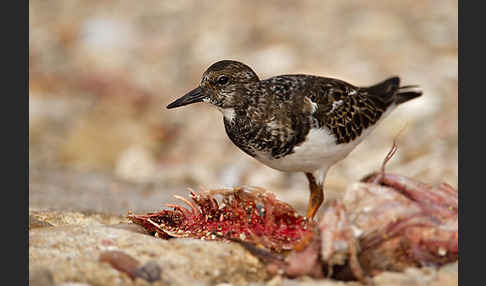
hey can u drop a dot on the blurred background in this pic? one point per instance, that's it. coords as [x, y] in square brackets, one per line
[102, 72]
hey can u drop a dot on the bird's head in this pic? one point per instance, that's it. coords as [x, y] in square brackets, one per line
[220, 85]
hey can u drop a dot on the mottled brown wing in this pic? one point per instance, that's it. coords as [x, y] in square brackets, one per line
[347, 110]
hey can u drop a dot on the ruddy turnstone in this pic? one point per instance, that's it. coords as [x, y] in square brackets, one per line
[296, 123]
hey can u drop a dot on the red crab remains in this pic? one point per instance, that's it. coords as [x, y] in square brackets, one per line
[245, 214]
[385, 222]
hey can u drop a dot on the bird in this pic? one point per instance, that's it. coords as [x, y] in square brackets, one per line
[296, 122]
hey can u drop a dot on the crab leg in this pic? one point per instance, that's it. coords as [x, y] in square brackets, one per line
[195, 210]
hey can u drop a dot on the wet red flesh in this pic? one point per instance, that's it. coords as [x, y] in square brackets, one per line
[249, 215]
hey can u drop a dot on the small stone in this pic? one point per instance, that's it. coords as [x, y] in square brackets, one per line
[150, 271]
[120, 261]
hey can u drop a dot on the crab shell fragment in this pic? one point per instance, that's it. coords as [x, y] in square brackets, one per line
[400, 222]
[246, 214]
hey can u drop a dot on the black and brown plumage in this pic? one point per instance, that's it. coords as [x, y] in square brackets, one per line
[296, 123]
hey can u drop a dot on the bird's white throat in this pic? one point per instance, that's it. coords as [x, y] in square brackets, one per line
[228, 113]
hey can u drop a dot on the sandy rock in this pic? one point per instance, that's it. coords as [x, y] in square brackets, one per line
[41, 277]
[71, 253]
[445, 276]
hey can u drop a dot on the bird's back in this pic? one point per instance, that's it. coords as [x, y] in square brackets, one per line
[346, 110]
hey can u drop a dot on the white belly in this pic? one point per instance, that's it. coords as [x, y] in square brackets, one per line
[317, 152]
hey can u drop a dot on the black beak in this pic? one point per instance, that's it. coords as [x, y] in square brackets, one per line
[193, 96]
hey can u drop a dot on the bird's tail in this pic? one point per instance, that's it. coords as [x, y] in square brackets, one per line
[391, 91]
[407, 92]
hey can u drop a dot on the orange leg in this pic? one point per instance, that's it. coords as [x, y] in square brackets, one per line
[316, 196]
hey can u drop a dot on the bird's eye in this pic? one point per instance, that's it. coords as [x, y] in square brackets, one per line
[222, 80]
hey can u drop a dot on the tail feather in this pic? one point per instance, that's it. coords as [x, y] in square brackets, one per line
[390, 91]
[406, 93]
[386, 87]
